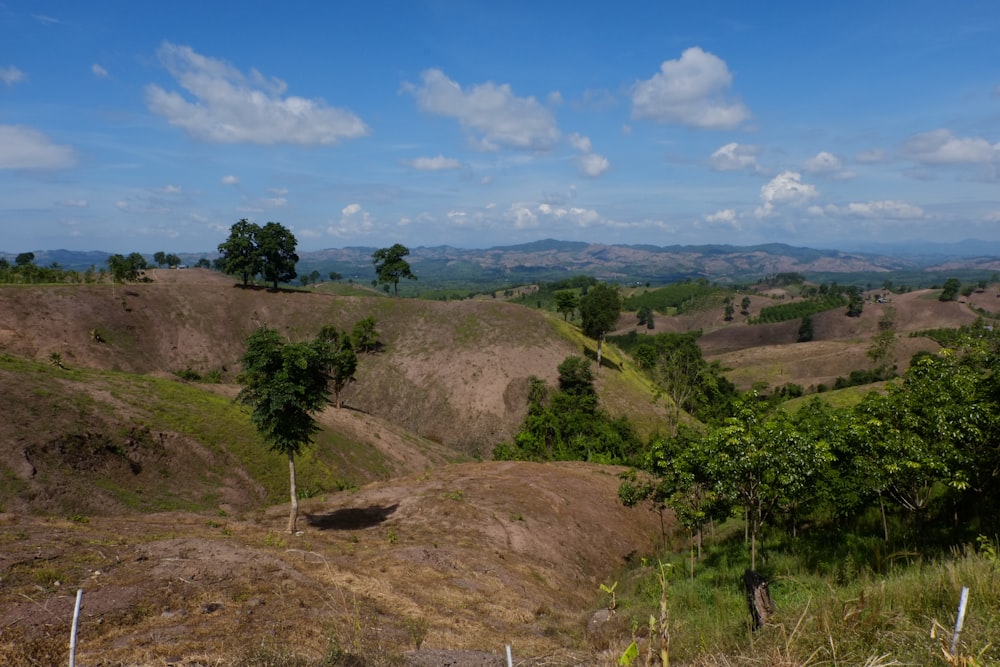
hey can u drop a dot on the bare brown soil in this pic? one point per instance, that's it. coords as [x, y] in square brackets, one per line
[463, 558]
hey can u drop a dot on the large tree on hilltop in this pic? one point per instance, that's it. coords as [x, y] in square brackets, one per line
[240, 256]
[390, 266]
[276, 245]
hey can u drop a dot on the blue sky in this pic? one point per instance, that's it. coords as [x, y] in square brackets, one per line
[134, 126]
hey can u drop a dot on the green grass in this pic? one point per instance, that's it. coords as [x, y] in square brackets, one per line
[857, 607]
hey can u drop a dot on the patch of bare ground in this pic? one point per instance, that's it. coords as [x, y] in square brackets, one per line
[465, 558]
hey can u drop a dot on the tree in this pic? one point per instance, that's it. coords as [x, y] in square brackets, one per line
[364, 336]
[566, 303]
[390, 266]
[344, 361]
[644, 316]
[172, 260]
[160, 258]
[950, 290]
[240, 255]
[334, 276]
[276, 246]
[24, 259]
[745, 306]
[729, 310]
[855, 302]
[599, 312]
[806, 330]
[126, 269]
[284, 384]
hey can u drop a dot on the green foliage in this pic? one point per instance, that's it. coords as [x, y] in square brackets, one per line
[364, 335]
[949, 292]
[276, 249]
[806, 330]
[600, 309]
[567, 425]
[798, 309]
[675, 364]
[678, 297]
[390, 266]
[126, 269]
[240, 255]
[566, 303]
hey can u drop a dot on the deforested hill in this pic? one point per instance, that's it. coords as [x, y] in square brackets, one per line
[456, 373]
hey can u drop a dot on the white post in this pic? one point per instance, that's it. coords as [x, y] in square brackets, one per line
[961, 618]
[72, 634]
[510, 661]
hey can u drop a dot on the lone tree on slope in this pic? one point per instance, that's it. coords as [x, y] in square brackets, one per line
[390, 266]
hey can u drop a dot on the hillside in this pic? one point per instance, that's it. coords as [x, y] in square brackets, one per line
[155, 496]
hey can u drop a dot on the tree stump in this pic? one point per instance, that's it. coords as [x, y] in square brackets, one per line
[758, 598]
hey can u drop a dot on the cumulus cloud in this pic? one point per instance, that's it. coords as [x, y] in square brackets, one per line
[528, 216]
[99, 71]
[593, 165]
[823, 163]
[492, 114]
[24, 147]
[588, 162]
[439, 163]
[353, 220]
[942, 147]
[11, 75]
[690, 91]
[726, 215]
[229, 179]
[226, 106]
[786, 188]
[735, 157]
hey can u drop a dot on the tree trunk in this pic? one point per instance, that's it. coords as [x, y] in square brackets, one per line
[758, 598]
[599, 341]
[293, 514]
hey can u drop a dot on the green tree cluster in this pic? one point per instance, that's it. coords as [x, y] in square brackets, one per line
[252, 250]
[600, 309]
[922, 453]
[567, 424]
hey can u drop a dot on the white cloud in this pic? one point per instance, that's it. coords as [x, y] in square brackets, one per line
[169, 190]
[74, 203]
[872, 156]
[275, 202]
[439, 163]
[494, 116]
[896, 210]
[786, 188]
[229, 107]
[353, 220]
[735, 157]
[725, 215]
[11, 75]
[527, 216]
[26, 148]
[122, 205]
[689, 91]
[230, 180]
[942, 147]
[589, 163]
[281, 192]
[823, 163]
[592, 164]
[46, 20]
[99, 71]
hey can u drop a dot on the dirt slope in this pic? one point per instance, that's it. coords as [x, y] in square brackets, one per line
[470, 557]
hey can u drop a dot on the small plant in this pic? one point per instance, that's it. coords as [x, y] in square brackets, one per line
[610, 590]
[417, 629]
[390, 536]
[455, 495]
[56, 360]
[273, 540]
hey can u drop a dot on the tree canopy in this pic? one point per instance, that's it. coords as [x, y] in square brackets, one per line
[390, 266]
[600, 309]
[276, 248]
[240, 256]
[284, 384]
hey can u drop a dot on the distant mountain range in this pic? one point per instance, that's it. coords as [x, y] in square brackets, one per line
[550, 259]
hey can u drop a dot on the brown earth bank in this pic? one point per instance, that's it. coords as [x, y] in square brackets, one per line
[457, 561]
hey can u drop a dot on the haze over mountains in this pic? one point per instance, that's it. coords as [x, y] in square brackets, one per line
[550, 259]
